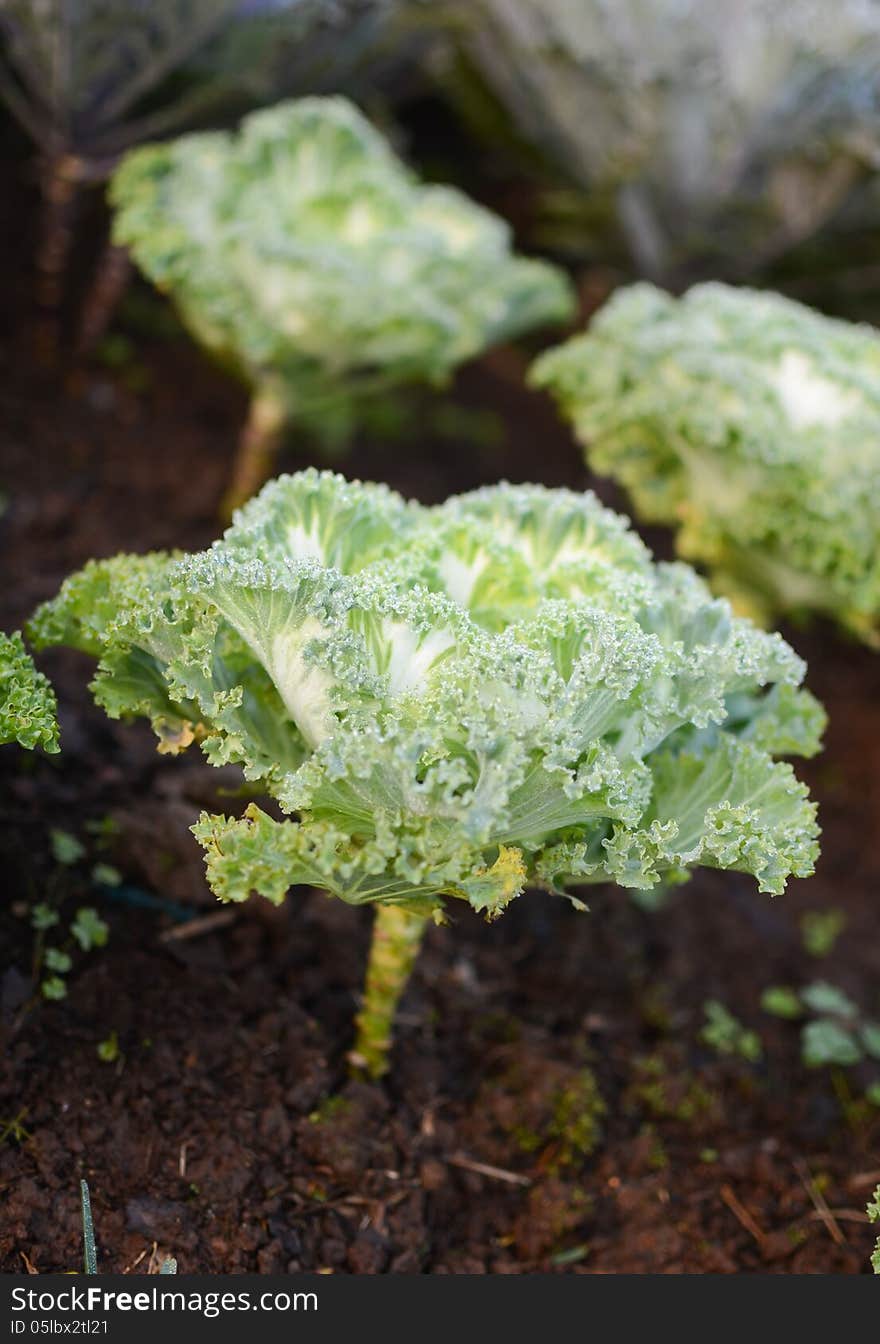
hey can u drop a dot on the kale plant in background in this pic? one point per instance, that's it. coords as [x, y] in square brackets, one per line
[88, 79]
[752, 424]
[304, 254]
[28, 707]
[713, 134]
[451, 704]
[76, 74]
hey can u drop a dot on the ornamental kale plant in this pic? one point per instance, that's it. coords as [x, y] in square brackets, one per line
[28, 707]
[752, 424]
[451, 704]
[306, 256]
[712, 135]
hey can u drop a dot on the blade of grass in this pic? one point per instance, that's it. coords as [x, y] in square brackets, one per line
[90, 1253]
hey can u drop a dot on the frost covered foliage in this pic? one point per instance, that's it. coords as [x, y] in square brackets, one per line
[716, 130]
[456, 701]
[302, 252]
[27, 701]
[750, 422]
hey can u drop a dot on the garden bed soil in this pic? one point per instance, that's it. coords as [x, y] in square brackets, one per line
[550, 1105]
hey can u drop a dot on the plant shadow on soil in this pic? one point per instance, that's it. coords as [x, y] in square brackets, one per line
[559, 1049]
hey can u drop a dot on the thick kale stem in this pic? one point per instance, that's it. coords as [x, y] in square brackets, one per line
[397, 937]
[257, 450]
[108, 285]
[61, 186]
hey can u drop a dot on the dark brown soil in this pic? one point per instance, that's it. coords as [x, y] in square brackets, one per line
[551, 1105]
